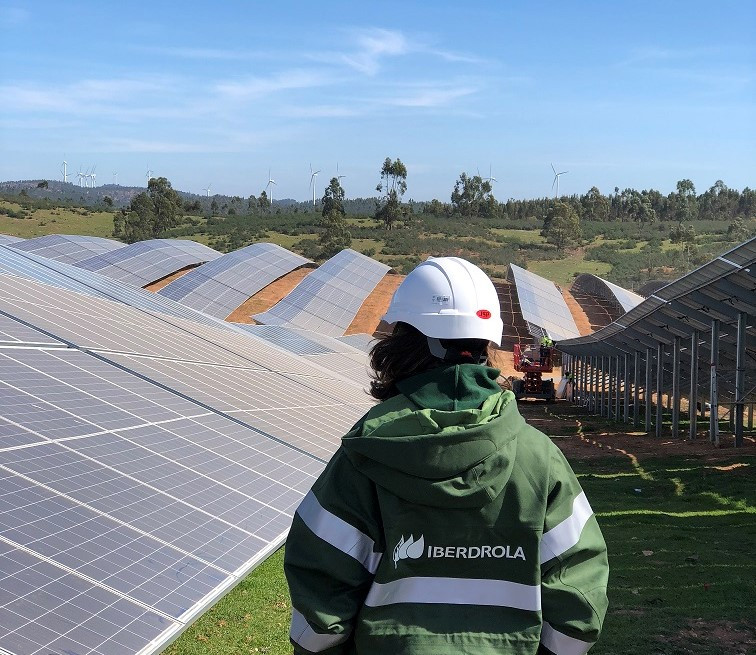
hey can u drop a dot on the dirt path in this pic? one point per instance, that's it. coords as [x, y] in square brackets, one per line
[164, 282]
[581, 319]
[586, 436]
[267, 297]
[375, 306]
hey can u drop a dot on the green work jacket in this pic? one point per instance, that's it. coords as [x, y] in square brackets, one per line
[444, 524]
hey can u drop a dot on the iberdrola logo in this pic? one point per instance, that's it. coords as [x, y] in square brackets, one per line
[410, 548]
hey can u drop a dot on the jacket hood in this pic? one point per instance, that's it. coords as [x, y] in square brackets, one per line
[447, 440]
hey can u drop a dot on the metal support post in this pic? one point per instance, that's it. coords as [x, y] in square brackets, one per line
[617, 388]
[659, 386]
[693, 396]
[740, 378]
[636, 394]
[626, 388]
[610, 391]
[647, 389]
[713, 390]
[676, 387]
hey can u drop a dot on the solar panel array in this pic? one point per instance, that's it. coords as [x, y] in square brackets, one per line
[221, 285]
[334, 354]
[68, 248]
[66, 276]
[145, 262]
[147, 462]
[328, 299]
[543, 306]
[6, 238]
[362, 342]
[594, 285]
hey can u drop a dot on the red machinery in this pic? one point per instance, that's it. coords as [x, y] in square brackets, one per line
[533, 361]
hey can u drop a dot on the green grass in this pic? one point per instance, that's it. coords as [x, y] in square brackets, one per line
[56, 221]
[696, 523]
[563, 271]
[518, 236]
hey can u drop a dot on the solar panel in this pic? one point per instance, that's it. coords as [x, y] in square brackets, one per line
[7, 238]
[141, 497]
[543, 307]
[147, 461]
[73, 278]
[329, 352]
[68, 248]
[145, 262]
[362, 342]
[593, 284]
[220, 286]
[328, 299]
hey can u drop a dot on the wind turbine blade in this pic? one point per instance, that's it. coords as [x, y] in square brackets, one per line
[553, 169]
[554, 182]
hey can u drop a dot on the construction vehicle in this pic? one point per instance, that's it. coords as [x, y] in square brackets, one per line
[533, 361]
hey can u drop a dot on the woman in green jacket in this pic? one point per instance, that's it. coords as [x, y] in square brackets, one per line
[444, 524]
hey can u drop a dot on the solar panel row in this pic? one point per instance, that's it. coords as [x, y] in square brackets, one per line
[68, 248]
[147, 461]
[220, 286]
[144, 262]
[328, 299]
[543, 307]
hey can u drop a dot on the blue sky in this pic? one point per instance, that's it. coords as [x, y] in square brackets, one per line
[628, 94]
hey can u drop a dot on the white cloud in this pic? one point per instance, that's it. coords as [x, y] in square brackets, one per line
[431, 97]
[255, 87]
[374, 45]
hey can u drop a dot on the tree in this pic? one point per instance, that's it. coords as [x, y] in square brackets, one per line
[640, 210]
[108, 201]
[150, 214]
[472, 196]
[42, 185]
[595, 205]
[335, 235]
[263, 201]
[562, 225]
[393, 186]
[685, 201]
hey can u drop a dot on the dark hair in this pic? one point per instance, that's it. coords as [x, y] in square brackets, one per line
[401, 355]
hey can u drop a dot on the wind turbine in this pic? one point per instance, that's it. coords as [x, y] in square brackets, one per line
[64, 170]
[149, 174]
[115, 177]
[86, 179]
[80, 175]
[93, 176]
[313, 178]
[267, 186]
[490, 177]
[556, 180]
[338, 177]
[207, 191]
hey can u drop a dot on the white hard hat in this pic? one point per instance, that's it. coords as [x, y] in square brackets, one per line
[448, 298]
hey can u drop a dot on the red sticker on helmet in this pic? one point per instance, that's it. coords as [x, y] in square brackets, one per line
[483, 313]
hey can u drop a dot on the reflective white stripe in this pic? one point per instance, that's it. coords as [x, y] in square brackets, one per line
[338, 533]
[456, 591]
[564, 536]
[561, 644]
[307, 638]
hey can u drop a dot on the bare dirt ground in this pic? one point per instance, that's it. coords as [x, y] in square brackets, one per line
[164, 282]
[724, 636]
[267, 297]
[375, 306]
[581, 319]
[588, 436]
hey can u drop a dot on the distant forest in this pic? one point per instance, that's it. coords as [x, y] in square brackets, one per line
[634, 236]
